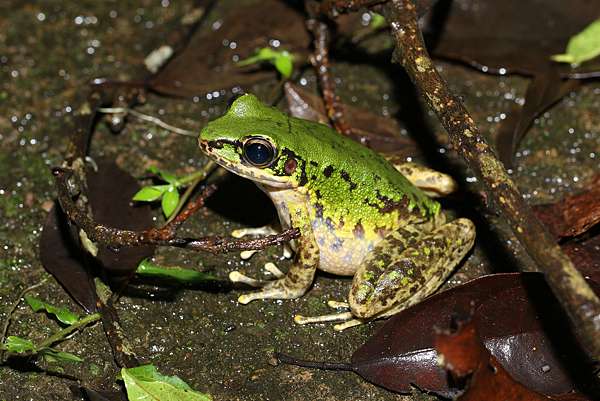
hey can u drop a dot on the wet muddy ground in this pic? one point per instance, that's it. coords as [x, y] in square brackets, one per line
[49, 51]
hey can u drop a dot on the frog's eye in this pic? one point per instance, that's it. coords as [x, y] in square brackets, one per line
[259, 152]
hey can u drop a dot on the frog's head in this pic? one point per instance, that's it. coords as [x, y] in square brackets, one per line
[251, 140]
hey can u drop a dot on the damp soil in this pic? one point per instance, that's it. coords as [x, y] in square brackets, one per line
[50, 50]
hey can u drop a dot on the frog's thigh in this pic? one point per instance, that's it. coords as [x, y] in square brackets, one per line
[397, 277]
[300, 276]
[432, 182]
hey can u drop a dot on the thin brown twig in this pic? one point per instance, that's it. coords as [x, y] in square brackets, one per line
[190, 208]
[320, 61]
[566, 282]
[124, 357]
[114, 237]
[72, 195]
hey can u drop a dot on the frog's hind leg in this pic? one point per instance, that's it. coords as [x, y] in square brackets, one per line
[399, 273]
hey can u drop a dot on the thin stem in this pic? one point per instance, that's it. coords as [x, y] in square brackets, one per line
[320, 61]
[62, 334]
[194, 179]
[199, 175]
[149, 118]
[289, 360]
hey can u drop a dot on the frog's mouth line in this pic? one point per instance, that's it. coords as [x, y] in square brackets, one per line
[252, 173]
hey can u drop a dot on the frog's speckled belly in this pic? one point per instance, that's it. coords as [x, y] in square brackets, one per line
[340, 252]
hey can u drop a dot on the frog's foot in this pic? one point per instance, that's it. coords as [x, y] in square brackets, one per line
[347, 319]
[283, 287]
[261, 231]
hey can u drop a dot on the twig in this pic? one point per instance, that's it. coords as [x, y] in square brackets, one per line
[320, 61]
[151, 119]
[290, 360]
[566, 282]
[114, 237]
[123, 355]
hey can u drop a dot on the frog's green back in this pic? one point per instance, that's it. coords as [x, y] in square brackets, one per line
[349, 182]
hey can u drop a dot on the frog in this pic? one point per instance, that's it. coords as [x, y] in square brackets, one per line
[357, 213]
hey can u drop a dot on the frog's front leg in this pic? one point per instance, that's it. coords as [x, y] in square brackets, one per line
[300, 276]
[402, 270]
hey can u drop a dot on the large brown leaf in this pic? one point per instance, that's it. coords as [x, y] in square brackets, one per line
[517, 318]
[110, 190]
[574, 214]
[62, 257]
[464, 356]
[110, 193]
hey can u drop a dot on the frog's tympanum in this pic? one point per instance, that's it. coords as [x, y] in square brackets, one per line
[358, 214]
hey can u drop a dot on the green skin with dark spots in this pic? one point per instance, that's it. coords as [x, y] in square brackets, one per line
[347, 200]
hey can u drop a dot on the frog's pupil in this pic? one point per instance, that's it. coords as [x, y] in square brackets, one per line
[258, 153]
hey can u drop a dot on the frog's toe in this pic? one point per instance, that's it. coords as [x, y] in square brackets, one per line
[338, 304]
[274, 270]
[245, 255]
[334, 317]
[347, 318]
[349, 323]
[276, 289]
[242, 232]
[237, 277]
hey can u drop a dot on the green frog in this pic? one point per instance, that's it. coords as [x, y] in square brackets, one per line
[358, 214]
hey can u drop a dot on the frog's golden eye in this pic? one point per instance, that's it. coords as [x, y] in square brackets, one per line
[259, 152]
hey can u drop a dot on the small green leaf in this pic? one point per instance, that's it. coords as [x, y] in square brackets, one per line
[63, 314]
[52, 355]
[149, 269]
[281, 59]
[284, 65]
[377, 21]
[145, 382]
[170, 200]
[582, 47]
[151, 193]
[165, 175]
[262, 54]
[19, 345]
